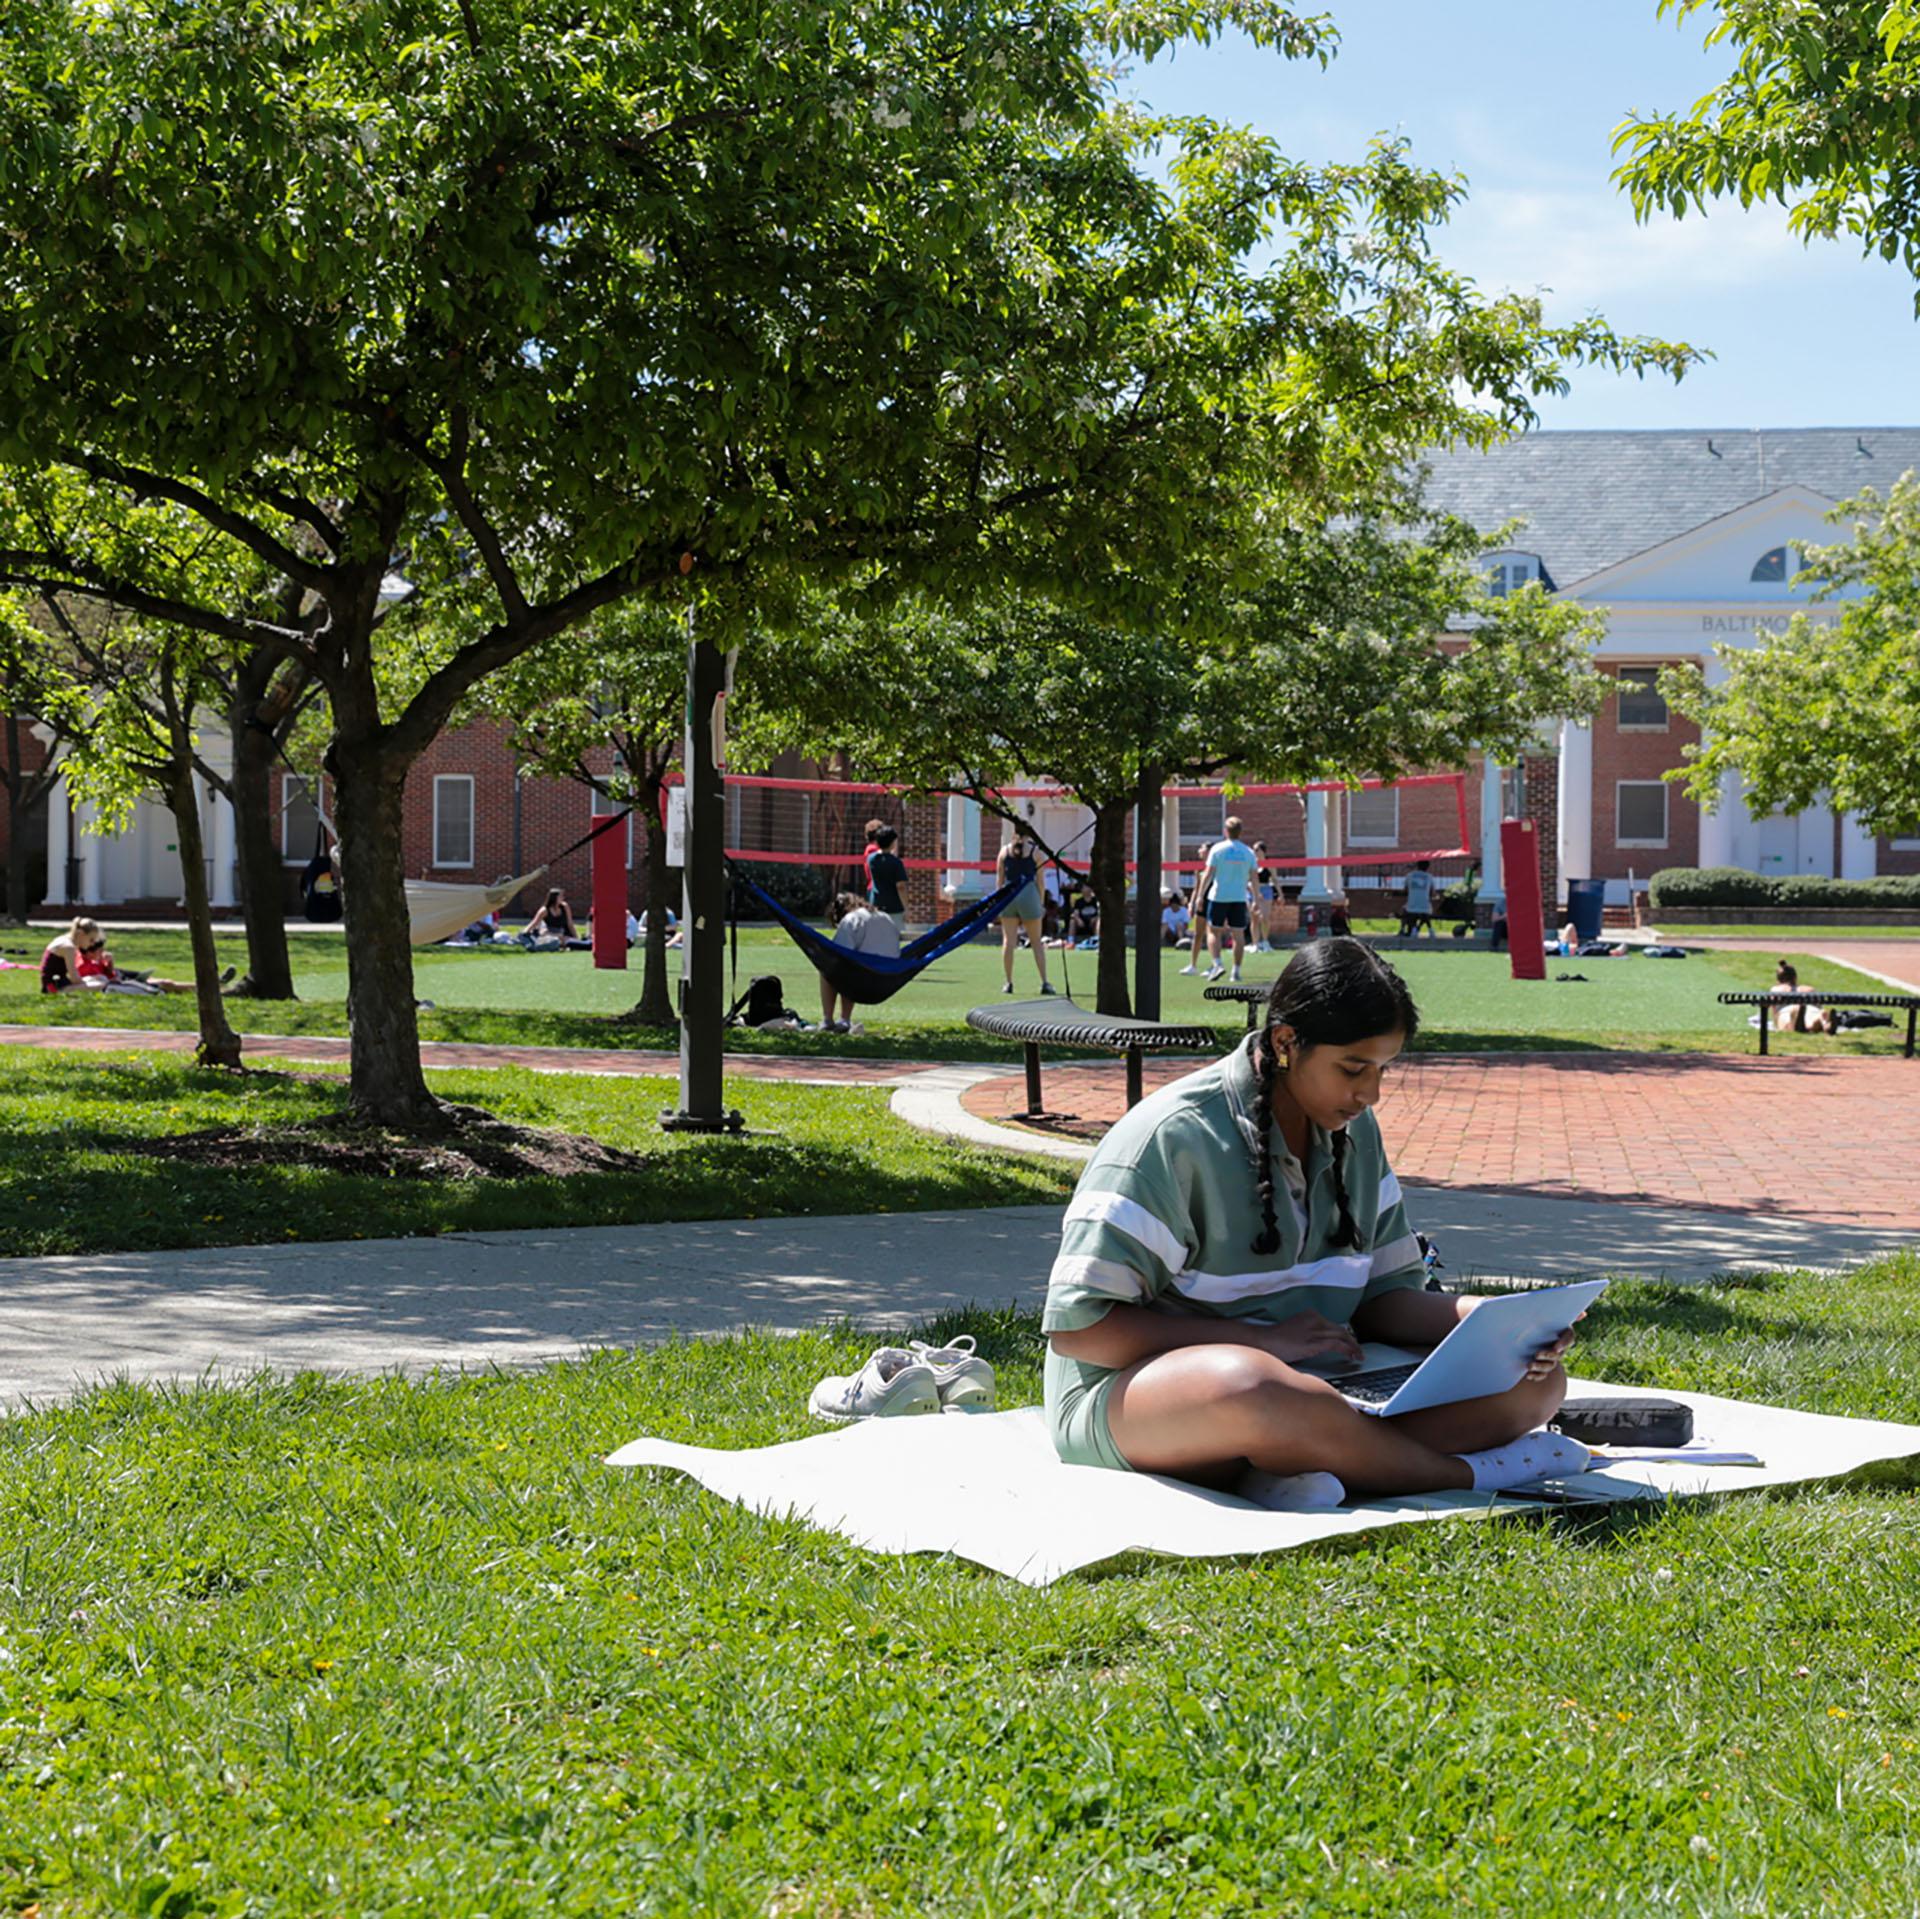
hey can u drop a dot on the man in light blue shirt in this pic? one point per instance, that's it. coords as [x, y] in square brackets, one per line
[1229, 875]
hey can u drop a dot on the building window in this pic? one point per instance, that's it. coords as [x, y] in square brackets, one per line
[1640, 813]
[1642, 710]
[299, 821]
[1202, 820]
[1373, 817]
[1511, 571]
[1770, 569]
[453, 819]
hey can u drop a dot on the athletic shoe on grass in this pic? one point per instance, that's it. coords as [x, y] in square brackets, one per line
[892, 1384]
[963, 1378]
[1186, 969]
[1214, 972]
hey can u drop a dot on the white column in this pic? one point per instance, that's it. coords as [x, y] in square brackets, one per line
[92, 850]
[1492, 886]
[963, 843]
[1336, 843]
[57, 846]
[1317, 887]
[224, 848]
[1859, 850]
[1575, 842]
[1716, 828]
[1815, 840]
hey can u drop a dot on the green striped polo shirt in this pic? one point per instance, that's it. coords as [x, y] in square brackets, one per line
[1168, 1208]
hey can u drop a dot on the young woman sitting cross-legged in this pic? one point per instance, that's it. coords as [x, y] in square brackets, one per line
[1243, 1221]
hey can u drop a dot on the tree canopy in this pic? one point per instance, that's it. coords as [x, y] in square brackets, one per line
[1826, 709]
[1821, 113]
[549, 306]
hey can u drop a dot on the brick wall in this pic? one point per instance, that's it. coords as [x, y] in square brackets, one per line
[1893, 860]
[1633, 755]
[33, 756]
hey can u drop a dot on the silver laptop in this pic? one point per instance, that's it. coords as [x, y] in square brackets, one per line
[1486, 1353]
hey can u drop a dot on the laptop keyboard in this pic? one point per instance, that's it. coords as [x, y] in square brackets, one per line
[1377, 1386]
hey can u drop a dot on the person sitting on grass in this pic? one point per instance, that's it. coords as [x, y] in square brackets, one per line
[1801, 1016]
[1175, 920]
[551, 928]
[1244, 1221]
[79, 957]
[862, 929]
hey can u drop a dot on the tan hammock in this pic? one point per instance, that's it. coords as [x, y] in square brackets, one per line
[438, 909]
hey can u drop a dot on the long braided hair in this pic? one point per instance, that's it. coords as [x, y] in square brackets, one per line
[1332, 992]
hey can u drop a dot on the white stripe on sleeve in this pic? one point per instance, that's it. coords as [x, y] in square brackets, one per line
[1389, 1190]
[1133, 1219]
[1106, 1277]
[1396, 1254]
[1349, 1270]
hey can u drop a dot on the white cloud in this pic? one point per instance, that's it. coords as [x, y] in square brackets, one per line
[1585, 247]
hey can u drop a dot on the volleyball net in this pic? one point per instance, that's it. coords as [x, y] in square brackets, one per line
[826, 825]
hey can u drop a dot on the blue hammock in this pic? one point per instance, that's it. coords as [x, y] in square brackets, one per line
[869, 978]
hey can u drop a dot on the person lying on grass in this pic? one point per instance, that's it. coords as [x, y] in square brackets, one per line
[1244, 1220]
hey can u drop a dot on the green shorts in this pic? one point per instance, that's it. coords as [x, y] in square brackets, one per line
[1076, 1401]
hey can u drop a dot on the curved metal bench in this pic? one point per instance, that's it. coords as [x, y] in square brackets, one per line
[1058, 1022]
[1812, 996]
[1251, 993]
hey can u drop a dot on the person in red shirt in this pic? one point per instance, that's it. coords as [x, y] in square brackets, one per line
[79, 957]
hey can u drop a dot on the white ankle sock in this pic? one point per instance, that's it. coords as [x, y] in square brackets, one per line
[1290, 1492]
[1539, 1454]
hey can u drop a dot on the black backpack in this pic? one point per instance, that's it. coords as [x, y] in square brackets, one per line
[763, 1000]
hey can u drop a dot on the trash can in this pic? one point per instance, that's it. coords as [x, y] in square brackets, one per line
[1587, 907]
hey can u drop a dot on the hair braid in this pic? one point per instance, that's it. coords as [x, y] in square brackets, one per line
[1347, 1233]
[1266, 1067]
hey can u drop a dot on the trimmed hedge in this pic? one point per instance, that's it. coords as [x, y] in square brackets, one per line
[1735, 886]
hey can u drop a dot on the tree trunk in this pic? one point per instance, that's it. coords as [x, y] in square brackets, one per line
[219, 1044]
[1109, 868]
[262, 873]
[386, 1086]
[1148, 812]
[656, 1002]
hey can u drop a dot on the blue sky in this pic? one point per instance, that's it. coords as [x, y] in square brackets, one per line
[1522, 97]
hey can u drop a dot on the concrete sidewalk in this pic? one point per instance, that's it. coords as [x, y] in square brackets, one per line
[510, 1299]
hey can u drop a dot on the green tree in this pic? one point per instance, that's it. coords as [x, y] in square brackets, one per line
[556, 306]
[1820, 113]
[617, 685]
[1327, 668]
[1826, 709]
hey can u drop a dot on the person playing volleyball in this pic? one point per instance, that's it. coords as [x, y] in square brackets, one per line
[1229, 876]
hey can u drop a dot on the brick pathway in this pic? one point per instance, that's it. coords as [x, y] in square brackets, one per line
[447, 1053]
[1819, 1139]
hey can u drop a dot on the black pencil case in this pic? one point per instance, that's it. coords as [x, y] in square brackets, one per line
[1637, 1421]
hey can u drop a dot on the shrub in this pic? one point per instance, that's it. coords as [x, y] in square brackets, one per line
[1709, 886]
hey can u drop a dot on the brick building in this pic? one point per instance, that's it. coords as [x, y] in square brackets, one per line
[1686, 540]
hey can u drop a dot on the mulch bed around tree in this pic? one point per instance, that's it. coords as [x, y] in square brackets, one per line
[478, 1147]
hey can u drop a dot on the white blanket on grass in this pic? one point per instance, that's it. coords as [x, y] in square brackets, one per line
[989, 1487]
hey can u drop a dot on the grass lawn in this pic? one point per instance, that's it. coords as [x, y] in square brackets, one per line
[1468, 1000]
[70, 1183]
[407, 1648]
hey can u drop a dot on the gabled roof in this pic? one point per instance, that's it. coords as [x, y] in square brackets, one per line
[1593, 499]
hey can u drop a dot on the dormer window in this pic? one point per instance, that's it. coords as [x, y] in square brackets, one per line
[1774, 567]
[1509, 572]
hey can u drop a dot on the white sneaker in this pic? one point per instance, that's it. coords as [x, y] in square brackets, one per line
[1214, 972]
[1186, 969]
[892, 1383]
[1236, 976]
[964, 1380]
